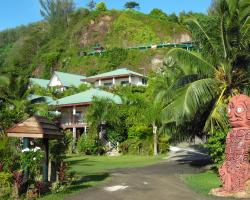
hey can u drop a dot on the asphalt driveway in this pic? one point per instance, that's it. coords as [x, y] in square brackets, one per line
[157, 182]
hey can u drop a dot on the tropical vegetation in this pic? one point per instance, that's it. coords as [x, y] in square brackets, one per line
[186, 96]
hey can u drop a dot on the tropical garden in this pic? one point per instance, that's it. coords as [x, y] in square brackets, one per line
[186, 96]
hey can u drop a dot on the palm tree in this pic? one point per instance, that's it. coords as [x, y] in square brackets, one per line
[99, 113]
[211, 76]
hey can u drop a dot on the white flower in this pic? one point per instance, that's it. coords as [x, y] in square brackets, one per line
[34, 158]
[37, 149]
[26, 150]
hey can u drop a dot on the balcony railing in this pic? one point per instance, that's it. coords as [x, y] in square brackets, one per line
[73, 120]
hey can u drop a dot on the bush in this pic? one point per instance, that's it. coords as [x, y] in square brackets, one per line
[216, 146]
[68, 140]
[101, 7]
[158, 13]
[163, 144]
[89, 145]
[139, 132]
[5, 179]
[137, 147]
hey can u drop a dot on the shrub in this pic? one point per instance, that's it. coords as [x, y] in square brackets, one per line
[68, 140]
[137, 147]
[31, 159]
[163, 143]
[139, 132]
[158, 13]
[216, 146]
[5, 179]
[101, 7]
[89, 145]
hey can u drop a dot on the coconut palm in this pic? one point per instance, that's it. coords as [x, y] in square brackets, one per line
[220, 70]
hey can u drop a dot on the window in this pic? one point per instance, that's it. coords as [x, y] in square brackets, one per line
[108, 84]
[124, 82]
[144, 81]
[79, 117]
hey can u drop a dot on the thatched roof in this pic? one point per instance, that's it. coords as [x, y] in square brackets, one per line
[35, 127]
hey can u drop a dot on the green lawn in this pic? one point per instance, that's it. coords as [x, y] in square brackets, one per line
[93, 170]
[202, 183]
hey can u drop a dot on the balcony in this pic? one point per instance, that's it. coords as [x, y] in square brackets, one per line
[70, 120]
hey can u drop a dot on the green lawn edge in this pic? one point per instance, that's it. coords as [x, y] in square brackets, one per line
[202, 183]
[95, 170]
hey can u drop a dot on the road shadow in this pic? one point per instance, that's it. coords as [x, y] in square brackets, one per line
[198, 160]
[82, 162]
[84, 182]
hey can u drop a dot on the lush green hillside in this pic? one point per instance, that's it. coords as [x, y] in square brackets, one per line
[35, 50]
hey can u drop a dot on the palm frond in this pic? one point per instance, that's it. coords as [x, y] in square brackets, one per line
[189, 100]
[224, 37]
[188, 58]
[195, 22]
[244, 7]
[185, 80]
[217, 117]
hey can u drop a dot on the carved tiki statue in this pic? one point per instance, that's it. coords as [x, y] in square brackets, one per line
[235, 171]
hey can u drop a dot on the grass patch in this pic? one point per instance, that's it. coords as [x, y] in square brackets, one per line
[93, 170]
[202, 183]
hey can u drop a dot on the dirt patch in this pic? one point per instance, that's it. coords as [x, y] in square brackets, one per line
[95, 31]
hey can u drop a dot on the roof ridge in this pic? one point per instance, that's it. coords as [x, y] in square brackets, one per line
[39, 78]
[68, 73]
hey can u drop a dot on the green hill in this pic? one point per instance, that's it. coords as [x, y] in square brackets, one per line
[35, 51]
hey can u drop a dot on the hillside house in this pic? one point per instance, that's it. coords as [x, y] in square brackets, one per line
[64, 80]
[73, 109]
[39, 82]
[122, 76]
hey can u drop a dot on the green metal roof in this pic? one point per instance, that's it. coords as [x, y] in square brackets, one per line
[68, 80]
[86, 97]
[117, 72]
[40, 82]
[38, 98]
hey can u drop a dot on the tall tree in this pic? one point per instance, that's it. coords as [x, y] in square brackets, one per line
[56, 12]
[132, 5]
[101, 6]
[91, 5]
[219, 71]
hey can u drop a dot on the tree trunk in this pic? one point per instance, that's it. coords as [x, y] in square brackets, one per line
[155, 139]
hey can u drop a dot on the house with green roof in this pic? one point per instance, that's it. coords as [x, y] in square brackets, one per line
[121, 76]
[73, 109]
[33, 98]
[39, 82]
[64, 80]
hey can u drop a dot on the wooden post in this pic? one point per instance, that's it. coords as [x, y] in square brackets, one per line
[26, 144]
[74, 138]
[155, 139]
[46, 160]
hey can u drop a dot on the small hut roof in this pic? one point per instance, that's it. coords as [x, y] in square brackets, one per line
[35, 127]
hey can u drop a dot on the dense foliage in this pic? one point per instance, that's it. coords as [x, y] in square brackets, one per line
[58, 42]
[204, 81]
[185, 97]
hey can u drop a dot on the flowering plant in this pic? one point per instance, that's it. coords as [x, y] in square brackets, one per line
[31, 159]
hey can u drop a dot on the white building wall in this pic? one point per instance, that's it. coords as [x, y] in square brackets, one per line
[54, 81]
[118, 81]
[136, 81]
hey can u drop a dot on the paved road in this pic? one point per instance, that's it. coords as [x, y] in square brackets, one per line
[156, 182]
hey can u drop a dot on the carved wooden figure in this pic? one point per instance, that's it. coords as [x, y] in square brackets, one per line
[235, 171]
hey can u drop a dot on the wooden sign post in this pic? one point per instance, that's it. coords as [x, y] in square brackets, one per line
[36, 127]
